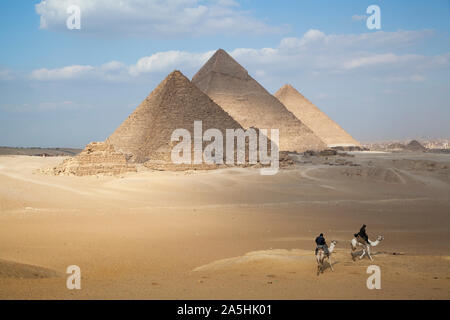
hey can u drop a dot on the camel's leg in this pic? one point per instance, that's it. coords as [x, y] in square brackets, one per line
[368, 253]
[318, 265]
[364, 252]
[331, 265]
[353, 250]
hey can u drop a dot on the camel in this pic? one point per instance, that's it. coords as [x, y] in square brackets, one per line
[321, 256]
[357, 241]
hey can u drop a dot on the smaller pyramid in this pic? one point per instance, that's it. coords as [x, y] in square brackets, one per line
[98, 158]
[415, 145]
[322, 125]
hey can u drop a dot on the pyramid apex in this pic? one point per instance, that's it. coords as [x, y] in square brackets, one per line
[221, 52]
[287, 86]
[287, 89]
[221, 62]
[176, 74]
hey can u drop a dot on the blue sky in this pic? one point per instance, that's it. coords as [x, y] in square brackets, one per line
[61, 87]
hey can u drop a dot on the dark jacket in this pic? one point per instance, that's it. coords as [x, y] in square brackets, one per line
[362, 233]
[320, 241]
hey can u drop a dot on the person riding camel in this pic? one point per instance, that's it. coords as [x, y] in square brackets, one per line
[321, 244]
[362, 236]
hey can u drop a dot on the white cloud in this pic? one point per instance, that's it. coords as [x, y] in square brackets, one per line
[168, 60]
[315, 53]
[158, 63]
[371, 60]
[318, 41]
[154, 18]
[318, 53]
[111, 71]
[113, 66]
[69, 72]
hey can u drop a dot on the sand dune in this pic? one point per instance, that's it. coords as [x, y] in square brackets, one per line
[279, 259]
[10, 269]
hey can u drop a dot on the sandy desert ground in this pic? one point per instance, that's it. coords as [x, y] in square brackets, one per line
[229, 234]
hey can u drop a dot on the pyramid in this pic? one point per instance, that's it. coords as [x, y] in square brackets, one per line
[325, 128]
[415, 145]
[145, 136]
[97, 158]
[226, 82]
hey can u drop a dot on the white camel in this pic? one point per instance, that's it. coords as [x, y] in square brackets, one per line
[358, 241]
[321, 256]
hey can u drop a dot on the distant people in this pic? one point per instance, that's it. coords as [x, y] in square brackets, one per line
[321, 244]
[362, 235]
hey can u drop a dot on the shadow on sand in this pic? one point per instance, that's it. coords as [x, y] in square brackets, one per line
[326, 266]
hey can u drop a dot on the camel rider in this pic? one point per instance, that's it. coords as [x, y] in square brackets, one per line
[362, 234]
[321, 244]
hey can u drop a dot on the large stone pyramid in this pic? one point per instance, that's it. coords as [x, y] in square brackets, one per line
[231, 87]
[325, 128]
[145, 136]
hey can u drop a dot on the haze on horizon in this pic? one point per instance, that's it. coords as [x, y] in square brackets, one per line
[66, 88]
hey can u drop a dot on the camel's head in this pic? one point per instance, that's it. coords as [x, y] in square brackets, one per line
[334, 242]
[380, 238]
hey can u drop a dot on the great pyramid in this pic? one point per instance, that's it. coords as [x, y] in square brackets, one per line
[325, 128]
[145, 136]
[226, 82]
